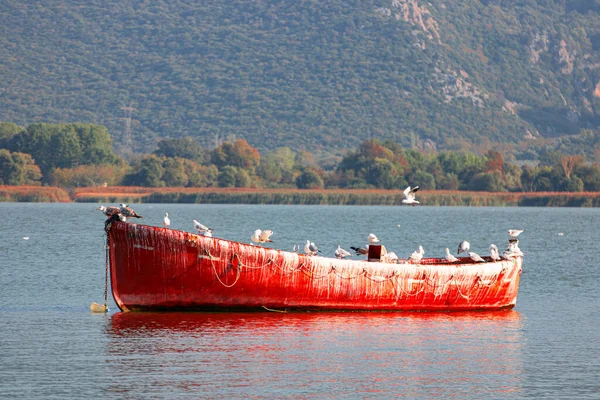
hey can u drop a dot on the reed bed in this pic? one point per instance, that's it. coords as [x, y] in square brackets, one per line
[126, 194]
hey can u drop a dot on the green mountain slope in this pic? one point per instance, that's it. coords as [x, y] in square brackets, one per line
[319, 75]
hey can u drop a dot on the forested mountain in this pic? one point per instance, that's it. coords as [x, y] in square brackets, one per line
[317, 75]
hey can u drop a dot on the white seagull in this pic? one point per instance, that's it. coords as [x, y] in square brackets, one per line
[475, 257]
[341, 253]
[311, 249]
[494, 254]
[166, 220]
[463, 247]
[417, 255]
[449, 256]
[372, 238]
[202, 229]
[265, 236]
[409, 196]
[515, 232]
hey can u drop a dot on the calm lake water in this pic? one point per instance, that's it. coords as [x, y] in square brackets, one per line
[53, 347]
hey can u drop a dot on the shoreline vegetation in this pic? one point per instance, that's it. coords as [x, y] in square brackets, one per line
[133, 194]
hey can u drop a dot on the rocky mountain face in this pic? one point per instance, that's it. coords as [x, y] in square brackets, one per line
[314, 75]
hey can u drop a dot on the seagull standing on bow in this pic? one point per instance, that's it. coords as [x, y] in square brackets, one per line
[417, 255]
[513, 233]
[311, 249]
[449, 256]
[166, 220]
[341, 253]
[463, 247]
[475, 257]
[202, 230]
[128, 212]
[409, 196]
[109, 211]
[494, 254]
[361, 251]
[372, 238]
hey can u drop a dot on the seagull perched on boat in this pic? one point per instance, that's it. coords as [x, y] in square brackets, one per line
[341, 253]
[128, 212]
[409, 196]
[166, 220]
[475, 257]
[513, 233]
[372, 238]
[417, 255]
[311, 249]
[109, 211]
[390, 257]
[494, 254]
[203, 230]
[361, 250]
[463, 247]
[449, 256]
[260, 236]
[513, 249]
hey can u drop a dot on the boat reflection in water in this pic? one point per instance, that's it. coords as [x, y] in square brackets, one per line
[475, 354]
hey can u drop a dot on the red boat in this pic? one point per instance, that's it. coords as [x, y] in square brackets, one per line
[155, 268]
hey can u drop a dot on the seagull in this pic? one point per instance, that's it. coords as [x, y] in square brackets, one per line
[390, 257]
[513, 249]
[361, 250]
[449, 256]
[417, 255]
[463, 247]
[295, 248]
[372, 238]
[265, 236]
[255, 237]
[128, 212]
[475, 257]
[25, 237]
[310, 248]
[341, 253]
[515, 232]
[494, 252]
[166, 220]
[409, 196]
[202, 229]
[109, 211]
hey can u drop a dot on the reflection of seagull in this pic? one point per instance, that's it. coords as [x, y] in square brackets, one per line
[166, 220]
[409, 196]
[360, 250]
[341, 253]
[310, 248]
[494, 254]
[128, 212]
[202, 229]
[449, 256]
[463, 247]
[372, 238]
[475, 257]
[515, 232]
[417, 255]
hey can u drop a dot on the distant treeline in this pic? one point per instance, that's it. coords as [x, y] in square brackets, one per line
[81, 155]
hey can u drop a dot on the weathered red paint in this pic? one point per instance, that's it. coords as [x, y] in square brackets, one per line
[158, 268]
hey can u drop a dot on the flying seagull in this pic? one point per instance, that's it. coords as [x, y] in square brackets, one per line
[449, 256]
[475, 257]
[463, 247]
[166, 220]
[265, 236]
[515, 232]
[341, 253]
[409, 196]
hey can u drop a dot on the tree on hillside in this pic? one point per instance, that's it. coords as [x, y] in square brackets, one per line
[238, 154]
[185, 148]
[18, 169]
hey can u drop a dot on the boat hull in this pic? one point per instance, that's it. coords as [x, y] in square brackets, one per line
[163, 269]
